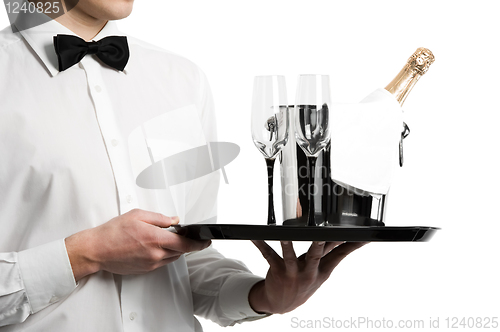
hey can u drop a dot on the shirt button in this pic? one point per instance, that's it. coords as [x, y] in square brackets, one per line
[114, 142]
[98, 88]
[132, 315]
[129, 199]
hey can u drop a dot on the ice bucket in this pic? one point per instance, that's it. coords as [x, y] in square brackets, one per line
[336, 204]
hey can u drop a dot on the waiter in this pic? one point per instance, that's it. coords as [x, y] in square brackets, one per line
[83, 110]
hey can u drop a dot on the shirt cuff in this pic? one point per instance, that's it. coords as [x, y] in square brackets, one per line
[46, 273]
[233, 297]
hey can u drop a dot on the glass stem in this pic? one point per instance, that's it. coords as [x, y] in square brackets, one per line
[271, 219]
[311, 220]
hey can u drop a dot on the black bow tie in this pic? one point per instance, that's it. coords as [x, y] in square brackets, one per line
[112, 50]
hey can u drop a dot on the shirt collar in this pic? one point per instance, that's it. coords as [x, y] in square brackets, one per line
[41, 39]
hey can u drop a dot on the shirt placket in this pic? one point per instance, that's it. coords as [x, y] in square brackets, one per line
[123, 175]
[112, 136]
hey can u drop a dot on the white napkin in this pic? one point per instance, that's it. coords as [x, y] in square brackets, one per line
[365, 142]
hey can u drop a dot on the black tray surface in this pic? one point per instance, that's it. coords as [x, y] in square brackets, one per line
[306, 233]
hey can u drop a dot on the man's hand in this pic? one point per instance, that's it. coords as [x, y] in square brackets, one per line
[291, 281]
[133, 243]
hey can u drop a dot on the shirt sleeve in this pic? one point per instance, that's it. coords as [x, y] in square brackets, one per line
[220, 287]
[33, 279]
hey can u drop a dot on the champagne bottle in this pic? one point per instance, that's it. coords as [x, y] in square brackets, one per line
[416, 66]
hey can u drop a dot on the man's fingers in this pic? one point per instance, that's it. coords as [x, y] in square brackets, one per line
[329, 246]
[314, 255]
[289, 256]
[170, 257]
[330, 261]
[269, 254]
[179, 243]
[153, 218]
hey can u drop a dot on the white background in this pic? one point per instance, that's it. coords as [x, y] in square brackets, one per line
[450, 178]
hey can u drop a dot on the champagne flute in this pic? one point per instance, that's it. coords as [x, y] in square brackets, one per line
[312, 128]
[270, 125]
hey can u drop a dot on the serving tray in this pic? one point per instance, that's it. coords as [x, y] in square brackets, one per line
[306, 233]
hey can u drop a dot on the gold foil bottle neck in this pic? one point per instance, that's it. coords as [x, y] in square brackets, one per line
[421, 60]
[417, 65]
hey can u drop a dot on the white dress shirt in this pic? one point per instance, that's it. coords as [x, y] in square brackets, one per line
[72, 144]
